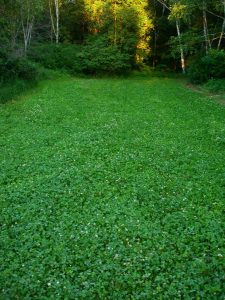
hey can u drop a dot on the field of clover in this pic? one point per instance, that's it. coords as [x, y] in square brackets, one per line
[112, 189]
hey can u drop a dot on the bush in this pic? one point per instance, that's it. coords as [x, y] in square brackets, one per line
[26, 70]
[196, 72]
[97, 57]
[92, 58]
[17, 74]
[211, 66]
[215, 85]
[49, 55]
[12, 89]
[16, 68]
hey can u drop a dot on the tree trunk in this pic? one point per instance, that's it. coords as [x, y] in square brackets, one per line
[155, 39]
[181, 48]
[205, 28]
[179, 36]
[115, 23]
[223, 27]
[54, 19]
[27, 28]
[154, 50]
[57, 20]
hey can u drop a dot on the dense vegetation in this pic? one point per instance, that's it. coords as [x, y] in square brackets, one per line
[112, 189]
[113, 36]
[112, 179]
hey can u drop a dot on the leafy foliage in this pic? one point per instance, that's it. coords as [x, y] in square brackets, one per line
[94, 57]
[98, 57]
[215, 85]
[16, 68]
[165, 32]
[11, 90]
[208, 67]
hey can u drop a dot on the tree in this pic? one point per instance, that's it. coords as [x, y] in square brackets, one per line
[223, 25]
[9, 23]
[126, 23]
[28, 10]
[176, 13]
[54, 15]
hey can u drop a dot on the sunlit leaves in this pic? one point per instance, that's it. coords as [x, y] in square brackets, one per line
[178, 11]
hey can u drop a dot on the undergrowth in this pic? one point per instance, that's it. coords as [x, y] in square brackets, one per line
[112, 189]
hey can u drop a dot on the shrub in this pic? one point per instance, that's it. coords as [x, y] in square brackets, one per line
[12, 89]
[16, 68]
[98, 57]
[196, 72]
[208, 67]
[26, 70]
[215, 85]
[49, 55]
[17, 74]
[92, 58]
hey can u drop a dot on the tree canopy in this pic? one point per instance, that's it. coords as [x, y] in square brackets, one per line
[169, 33]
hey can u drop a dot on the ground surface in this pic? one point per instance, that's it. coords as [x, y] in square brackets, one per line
[112, 189]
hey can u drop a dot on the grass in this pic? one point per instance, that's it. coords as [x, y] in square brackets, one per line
[15, 88]
[215, 86]
[112, 189]
[12, 89]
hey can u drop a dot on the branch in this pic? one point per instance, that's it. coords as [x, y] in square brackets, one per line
[164, 4]
[212, 13]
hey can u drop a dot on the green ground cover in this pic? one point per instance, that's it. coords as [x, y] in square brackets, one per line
[112, 189]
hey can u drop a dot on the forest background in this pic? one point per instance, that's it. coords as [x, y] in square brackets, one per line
[113, 37]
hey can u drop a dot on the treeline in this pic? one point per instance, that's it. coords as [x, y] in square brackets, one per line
[112, 36]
